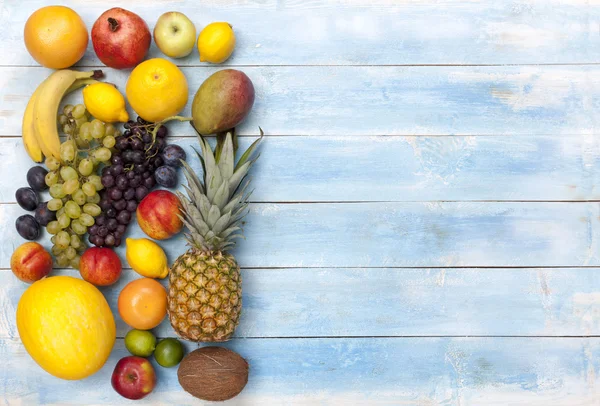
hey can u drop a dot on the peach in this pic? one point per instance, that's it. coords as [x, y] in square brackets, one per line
[157, 215]
[100, 266]
[31, 262]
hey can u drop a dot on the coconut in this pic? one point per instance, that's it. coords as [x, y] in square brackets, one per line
[213, 373]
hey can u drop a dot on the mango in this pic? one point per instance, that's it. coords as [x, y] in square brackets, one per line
[222, 102]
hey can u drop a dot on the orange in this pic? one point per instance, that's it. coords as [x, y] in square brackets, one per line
[143, 303]
[56, 37]
[157, 89]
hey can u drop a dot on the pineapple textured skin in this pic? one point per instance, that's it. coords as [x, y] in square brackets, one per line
[205, 286]
[205, 292]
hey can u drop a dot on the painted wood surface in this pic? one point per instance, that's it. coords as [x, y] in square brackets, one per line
[349, 302]
[383, 100]
[436, 234]
[364, 371]
[363, 32]
[333, 169]
[419, 235]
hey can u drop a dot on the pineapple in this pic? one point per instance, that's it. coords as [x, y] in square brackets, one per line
[205, 284]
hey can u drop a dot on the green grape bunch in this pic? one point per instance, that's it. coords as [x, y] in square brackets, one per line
[74, 183]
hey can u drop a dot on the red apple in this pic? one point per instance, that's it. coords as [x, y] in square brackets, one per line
[100, 266]
[157, 215]
[31, 262]
[121, 38]
[133, 378]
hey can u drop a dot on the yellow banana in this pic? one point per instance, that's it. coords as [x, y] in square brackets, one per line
[79, 83]
[28, 131]
[46, 106]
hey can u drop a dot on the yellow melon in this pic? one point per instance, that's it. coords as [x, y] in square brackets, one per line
[66, 326]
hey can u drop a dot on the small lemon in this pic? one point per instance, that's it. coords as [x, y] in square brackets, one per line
[157, 89]
[105, 103]
[216, 42]
[146, 258]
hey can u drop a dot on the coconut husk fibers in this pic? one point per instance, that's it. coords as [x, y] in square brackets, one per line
[213, 373]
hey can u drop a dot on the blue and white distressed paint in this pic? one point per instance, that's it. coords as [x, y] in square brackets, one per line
[424, 229]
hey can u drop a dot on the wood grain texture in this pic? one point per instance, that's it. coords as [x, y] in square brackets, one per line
[318, 100]
[458, 159]
[389, 302]
[407, 371]
[362, 32]
[331, 169]
[397, 235]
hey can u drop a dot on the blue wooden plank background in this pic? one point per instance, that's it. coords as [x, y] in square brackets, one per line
[424, 229]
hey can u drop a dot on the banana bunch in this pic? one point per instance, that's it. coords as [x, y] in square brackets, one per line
[40, 131]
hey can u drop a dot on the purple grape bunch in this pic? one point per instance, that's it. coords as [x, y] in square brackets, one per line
[132, 174]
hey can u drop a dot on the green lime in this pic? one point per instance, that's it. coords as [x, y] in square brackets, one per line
[169, 352]
[140, 343]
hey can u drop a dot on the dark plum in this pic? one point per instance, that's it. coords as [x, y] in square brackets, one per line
[27, 198]
[166, 176]
[36, 177]
[43, 216]
[172, 155]
[28, 227]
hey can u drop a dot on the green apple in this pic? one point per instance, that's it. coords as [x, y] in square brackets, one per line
[175, 34]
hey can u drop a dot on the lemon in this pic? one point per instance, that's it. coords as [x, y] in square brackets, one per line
[216, 42]
[146, 258]
[105, 103]
[157, 89]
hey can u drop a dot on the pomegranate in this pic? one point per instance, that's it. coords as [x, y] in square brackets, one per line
[121, 38]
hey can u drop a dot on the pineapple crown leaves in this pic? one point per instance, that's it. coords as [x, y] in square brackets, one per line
[215, 206]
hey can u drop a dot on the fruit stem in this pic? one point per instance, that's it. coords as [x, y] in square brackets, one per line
[160, 124]
[113, 24]
[98, 74]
